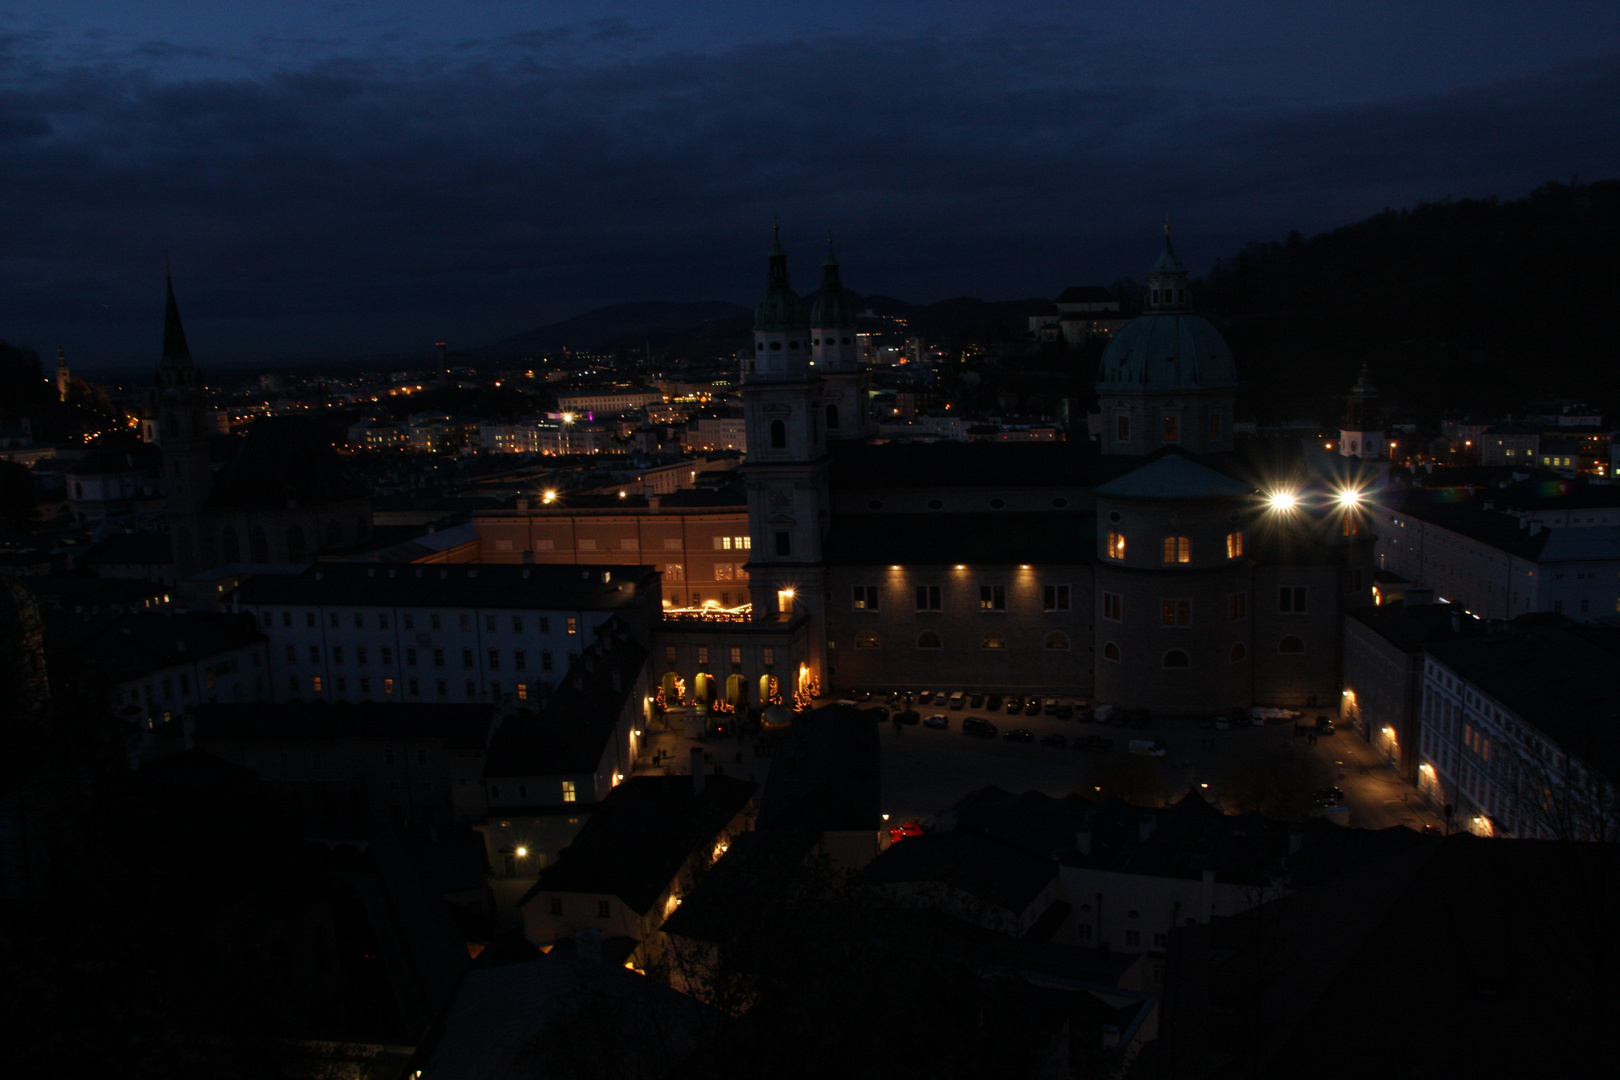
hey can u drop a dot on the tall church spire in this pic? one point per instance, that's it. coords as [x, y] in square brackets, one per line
[174, 335]
[1167, 281]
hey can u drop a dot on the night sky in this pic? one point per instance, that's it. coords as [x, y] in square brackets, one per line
[359, 178]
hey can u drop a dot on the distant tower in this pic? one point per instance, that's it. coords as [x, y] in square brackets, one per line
[182, 416]
[787, 457]
[836, 357]
[1361, 436]
[1167, 377]
[64, 378]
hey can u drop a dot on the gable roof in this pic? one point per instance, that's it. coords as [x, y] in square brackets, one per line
[638, 838]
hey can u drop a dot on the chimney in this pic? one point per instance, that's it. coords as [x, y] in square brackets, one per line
[697, 770]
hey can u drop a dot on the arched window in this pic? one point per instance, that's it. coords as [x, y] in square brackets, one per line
[1238, 652]
[334, 533]
[866, 640]
[258, 546]
[994, 641]
[1111, 652]
[1291, 644]
[778, 435]
[1177, 658]
[230, 548]
[929, 640]
[295, 543]
[832, 416]
[1057, 639]
[1177, 549]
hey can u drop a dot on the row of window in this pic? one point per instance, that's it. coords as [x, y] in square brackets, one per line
[928, 639]
[435, 621]
[1177, 611]
[570, 792]
[1178, 658]
[1174, 549]
[931, 598]
[339, 684]
[520, 657]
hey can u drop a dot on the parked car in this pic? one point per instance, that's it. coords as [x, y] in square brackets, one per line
[1093, 742]
[958, 699]
[1015, 705]
[899, 832]
[1064, 712]
[1019, 735]
[910, 716]
[976, 701]
[938, 720]
[993, 703]
[1056, 741]
[978, 728]
[924, 697]
[1324, 725]
[1050, 706]
[1032, 707]
[1146, 747]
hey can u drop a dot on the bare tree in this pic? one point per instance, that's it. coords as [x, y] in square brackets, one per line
[1277, 782]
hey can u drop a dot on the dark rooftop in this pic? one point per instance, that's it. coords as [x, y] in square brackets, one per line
[460, 726]
[1411, 628]
[638, 838]
[134, 644]
[983, 866]
[462, 585]
[971, 465]
[825, 776]
[570, 732]
[285, 460]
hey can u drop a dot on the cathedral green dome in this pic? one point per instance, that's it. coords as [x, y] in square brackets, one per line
[831, 307]
[1167, 351]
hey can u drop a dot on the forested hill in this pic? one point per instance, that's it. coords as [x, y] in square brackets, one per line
[1476, 305]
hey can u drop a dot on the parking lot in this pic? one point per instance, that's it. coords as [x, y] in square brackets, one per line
[926, 770]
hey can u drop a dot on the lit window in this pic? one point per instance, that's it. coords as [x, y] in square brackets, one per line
[1177, 549]
[388, 686]
[1176, 612]
[994, 641]
[866, 597]
[992, 598]
[315, 684]
[1234, 545]
[866, 640]
[1116, 545]
[569, 792]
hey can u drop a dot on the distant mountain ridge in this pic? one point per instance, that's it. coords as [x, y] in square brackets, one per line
[717, 326]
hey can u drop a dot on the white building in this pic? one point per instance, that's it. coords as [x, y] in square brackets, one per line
[357, 632]
[1521, 731]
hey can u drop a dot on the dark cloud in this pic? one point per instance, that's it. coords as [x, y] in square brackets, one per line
[369, 202]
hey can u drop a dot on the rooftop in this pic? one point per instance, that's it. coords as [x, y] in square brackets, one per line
[638, 838]
[462, 585]
[458, 726]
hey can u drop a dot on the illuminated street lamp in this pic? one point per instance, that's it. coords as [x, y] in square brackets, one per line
[1283, 500]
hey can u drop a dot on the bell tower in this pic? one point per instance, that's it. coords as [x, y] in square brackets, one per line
[1361, 436]
[787, 462]
[835, 355]
[182, 414]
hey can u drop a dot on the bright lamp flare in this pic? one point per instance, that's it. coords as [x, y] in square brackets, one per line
[1283, 500]
[1349, 497]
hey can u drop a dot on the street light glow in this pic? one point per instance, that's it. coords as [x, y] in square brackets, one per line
[522, 852]
[1283, 500]
[1349, 497]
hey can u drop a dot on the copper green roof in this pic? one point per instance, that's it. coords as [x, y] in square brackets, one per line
[1173, 478]
[831, 307]
[1170, 350]
[780, 308]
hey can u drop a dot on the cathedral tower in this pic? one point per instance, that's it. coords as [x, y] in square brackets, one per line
[182, 413]
[787, 456]
[835, 355]
[1361, 436]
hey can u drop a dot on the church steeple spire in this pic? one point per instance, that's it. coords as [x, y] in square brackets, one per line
[176, 367]
[1167, 281]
